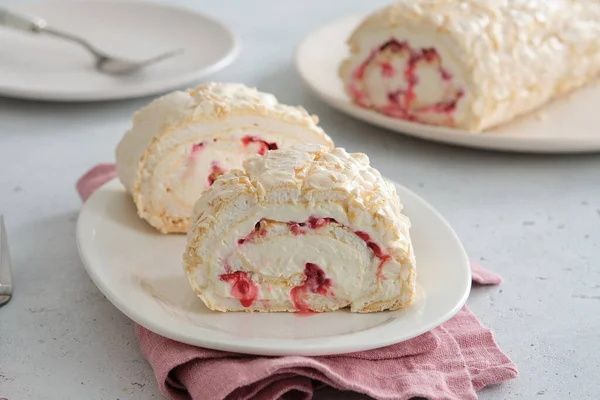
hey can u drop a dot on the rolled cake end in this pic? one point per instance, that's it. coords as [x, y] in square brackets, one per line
[473, 64]
[303, 229]
[405, 75]
[180, 143]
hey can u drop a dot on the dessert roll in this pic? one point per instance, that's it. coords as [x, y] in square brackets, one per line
[303, 229]
[471, 64]
[181, 142]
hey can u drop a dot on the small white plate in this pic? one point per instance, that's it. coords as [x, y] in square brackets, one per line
[568, 125]
[140, 272]
[44, 68]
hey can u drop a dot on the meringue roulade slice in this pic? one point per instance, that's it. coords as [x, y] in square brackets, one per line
[181, 142]
[471, 64]
[303, 229]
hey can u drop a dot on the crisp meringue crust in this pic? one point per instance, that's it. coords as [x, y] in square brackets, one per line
[505, 58]
[182, 141]
[301, 229]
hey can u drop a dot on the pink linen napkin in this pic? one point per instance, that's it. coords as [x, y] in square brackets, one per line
[452, 361]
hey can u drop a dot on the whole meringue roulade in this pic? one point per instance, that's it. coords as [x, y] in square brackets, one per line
[303, 229]
[471, 64]
[181, 142]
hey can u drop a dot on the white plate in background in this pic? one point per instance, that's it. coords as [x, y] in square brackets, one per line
[569, 125]
[140, 271]
[41, 67]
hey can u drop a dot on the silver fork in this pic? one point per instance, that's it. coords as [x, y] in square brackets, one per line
[5, 278]
[104, 62]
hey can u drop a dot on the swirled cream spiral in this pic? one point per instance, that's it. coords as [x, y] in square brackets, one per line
[181, 142]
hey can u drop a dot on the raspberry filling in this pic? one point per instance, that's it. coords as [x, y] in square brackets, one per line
[299, 228]
[315, 282]
[215, 172]
[263, 145]
[259, 147]
[258, 231]
[376, 251]
[196, 147]
[242, 288]
[402, 73]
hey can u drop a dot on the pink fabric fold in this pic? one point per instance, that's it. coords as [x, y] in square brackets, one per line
[452, 361]
[483, 276]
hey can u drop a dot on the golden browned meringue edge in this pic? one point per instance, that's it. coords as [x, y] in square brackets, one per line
[305, 176]
[209, 102]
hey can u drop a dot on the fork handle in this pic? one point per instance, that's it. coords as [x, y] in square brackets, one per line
[18, 21]
[5, 267]
[39, 25]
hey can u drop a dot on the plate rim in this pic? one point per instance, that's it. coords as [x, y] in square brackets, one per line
[449, 136]
[263, 349]
[171, 83]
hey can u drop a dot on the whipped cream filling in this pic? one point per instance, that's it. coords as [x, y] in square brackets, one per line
[297, 264]
[273, 255]
[190, 168]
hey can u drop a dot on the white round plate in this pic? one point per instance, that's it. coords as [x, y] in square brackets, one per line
[44, 68]
[139, 270]
[568, 125]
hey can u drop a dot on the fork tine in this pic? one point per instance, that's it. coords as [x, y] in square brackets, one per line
[162, 57]
[125, 67]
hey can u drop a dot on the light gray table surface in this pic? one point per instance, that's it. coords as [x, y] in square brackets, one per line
[533, 219]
